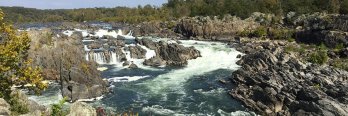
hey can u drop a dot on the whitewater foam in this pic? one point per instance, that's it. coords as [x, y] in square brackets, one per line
[126, 78]
[236, 113]
[68, 32]
[214, 57]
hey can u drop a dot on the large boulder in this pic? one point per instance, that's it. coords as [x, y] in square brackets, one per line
[81, 109]
[137, 52]
[169, 54]
[77, 84]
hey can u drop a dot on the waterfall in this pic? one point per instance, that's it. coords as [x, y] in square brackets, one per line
[130, 33]
[119, 32]
[113, 58]
[109, 57]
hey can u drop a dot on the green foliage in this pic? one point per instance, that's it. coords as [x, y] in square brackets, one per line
[293, 48]
[58, 109]
[338, 47]
[341, 64]
[17, 107]
[282, 34]
[319, 56]
[260, 32]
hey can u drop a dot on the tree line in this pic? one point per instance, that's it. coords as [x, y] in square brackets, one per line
[176, 9]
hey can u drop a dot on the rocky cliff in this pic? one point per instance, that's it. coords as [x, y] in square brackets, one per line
[329, 29]
[274, 82]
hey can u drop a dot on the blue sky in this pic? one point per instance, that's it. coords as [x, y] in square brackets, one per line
[69, 4]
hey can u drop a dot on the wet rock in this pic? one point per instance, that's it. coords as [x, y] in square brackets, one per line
[132, 66]
[137, 52]
[125, 63]
[169, 54]
[120, 55]
[239, 56]
[154, 61]
[78, 85]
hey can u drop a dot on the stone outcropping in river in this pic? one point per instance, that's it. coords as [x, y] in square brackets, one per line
[171, 54]
[76, 84]
[274, 82]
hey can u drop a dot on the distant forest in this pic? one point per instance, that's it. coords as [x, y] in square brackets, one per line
[176, 9]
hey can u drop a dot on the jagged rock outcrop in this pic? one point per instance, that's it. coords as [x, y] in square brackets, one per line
[155, 28]
[274, 82]
[206, 28]
[168, 54]
[78, 84]
[317, 28]
[137, 52]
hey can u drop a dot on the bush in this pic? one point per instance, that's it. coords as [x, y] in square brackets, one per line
[260, 32]
[293, 48]
[17, 105]
[320, 56]
[338, 47]
[245, 33]
[58, 109]
[282, 34]
[341, 64]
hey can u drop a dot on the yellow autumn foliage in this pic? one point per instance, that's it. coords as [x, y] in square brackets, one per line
[15, 67]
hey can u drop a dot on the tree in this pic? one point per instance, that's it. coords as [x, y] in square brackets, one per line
[15, 67]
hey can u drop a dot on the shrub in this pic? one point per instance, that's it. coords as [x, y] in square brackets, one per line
[58, 109]
[320, 56]
[341, 64]
[282, 34]
[338, 47]
[260, 31]
[17, 105]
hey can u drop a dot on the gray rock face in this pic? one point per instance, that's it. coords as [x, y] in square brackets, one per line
[77, 85]
[132, 66]
[154, 28]
[273, 82]
[137, 52]
[205, 28]
[155, 61]
[169, 54]
[318, 28]
[81, 109]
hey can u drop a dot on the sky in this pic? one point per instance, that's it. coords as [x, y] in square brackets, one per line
[70, 4]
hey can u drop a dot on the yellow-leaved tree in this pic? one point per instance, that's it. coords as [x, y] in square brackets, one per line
[15, 67]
